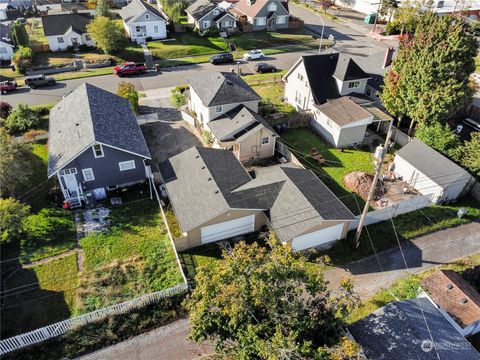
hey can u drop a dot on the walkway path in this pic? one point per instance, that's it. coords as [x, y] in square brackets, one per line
[422, 253]
[51, 258]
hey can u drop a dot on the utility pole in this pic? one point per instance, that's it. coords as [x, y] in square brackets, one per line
[376, 17]
[378, 168]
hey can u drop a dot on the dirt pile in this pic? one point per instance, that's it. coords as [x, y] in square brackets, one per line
[360, 182]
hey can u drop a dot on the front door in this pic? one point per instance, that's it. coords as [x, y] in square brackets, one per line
[71, 184]
[272, 22]
[75, 42]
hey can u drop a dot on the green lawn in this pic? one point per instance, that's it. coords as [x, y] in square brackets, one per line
[35, 31]
[477, 64]
[271, 92]
[407, 287]
[339, 163]
[408, 226]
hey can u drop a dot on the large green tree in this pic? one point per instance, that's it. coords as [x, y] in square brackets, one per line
[439, 137]
[12, 219]
[19, 34]
[15, 165]
[429, 78]
[127, 91]
[108, 34]
[470, 154]
[22, 118]
[267, 303]
[174, 8]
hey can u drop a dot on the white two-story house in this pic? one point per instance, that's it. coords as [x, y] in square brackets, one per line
[331, 87]
[67, 30]
[143, 21]
[227, 107]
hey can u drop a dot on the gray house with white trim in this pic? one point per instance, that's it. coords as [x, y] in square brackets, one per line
[261, 14]
[95, 145]
[204, 14]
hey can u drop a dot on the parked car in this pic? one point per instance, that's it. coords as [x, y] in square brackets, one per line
[35, 81]
[253, 55]
[223, 58]
[264, 68]
[129, 68]
[7, 86]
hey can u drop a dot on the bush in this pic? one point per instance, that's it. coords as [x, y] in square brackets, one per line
[211, 32]
[12, 217]
[23, 59]
[207, 137]
[178, 100]
[393, 28]
[22, 119]
[43, 109]
[127, 91]
[31, 135]
[5, 109]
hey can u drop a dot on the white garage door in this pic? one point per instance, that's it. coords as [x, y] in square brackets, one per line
[318, 237]
[228, 229]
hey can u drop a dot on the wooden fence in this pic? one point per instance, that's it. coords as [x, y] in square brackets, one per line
[398, 136]
[59, 328]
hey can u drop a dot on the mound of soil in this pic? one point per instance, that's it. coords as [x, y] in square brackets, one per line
[360, 182]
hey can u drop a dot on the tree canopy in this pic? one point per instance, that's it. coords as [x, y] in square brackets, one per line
[108, 34]
[102, 8]
[439, 137]
[21, 119]
[12, 218]
[19, 34]
[127, 91]
[267, 303]
[174, 8]
[429, 78]
[470, 154]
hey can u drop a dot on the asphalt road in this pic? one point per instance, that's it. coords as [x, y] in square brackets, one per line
[366, 51]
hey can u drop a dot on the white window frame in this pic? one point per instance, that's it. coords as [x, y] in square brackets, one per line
[206, 24]
[272, 6]
[265, 140]
[88, 171]
[155, 29]
[138, 29]
[216, 12]
[329, 122]
[95, 151]
[60, 40]
[147, 16]
[299, 76]
[298, 97]
[127, 165]
[260, 21]
[282, 19]
[68, 171]
[353, 84]
[219, 109]
[88, 37]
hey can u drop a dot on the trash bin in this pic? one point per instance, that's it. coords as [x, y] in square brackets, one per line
[370, 18]
[157, 67]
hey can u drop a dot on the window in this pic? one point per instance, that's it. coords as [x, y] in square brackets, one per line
[265, 140]
[206, 24]
[218, 109]
[353, 84]
[329, 122]
[87, 37]
[138, 29]
[215, 12]
[368, 92]
[68, 171]
[298, 97]
[155, 29]
[272, 7]
[282, 19]
[147, 16]
[3, 50]
[228, 23]
[126, 165]
[88, 174]
[440, 4]
[60, 40]
[98, 151]
[260, 21]
[300, 77]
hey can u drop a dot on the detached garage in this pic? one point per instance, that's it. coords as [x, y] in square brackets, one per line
[228, 229]
[319, 237]
[431, 173]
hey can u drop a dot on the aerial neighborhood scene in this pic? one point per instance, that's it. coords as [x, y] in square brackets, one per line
[240, 179]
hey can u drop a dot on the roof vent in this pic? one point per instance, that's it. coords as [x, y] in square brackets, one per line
[203, 167]
[196, 157]
[449, 286]
[216, 191]
[463, 300]
[77, 124]
[209, 179]
[229, 82]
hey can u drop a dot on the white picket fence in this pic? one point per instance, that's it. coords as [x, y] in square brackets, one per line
[59, 328]
[188, 118]
[387, 213]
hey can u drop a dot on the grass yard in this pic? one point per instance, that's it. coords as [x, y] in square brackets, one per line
[272, 93]
[407, 287]
[58, 59]
[408, 226]
[35, 32]
[186, 44]
[339, 163]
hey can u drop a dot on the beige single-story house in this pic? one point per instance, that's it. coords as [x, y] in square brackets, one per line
[431, 173]
[215, 198]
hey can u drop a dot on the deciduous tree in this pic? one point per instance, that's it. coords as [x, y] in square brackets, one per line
[127, 91]
[23, 58]
[108, 34]
[5, 109]
[439, 137]
[429, 78]
[12, 218]
[102, 8]
[266, 303]
[470, 154]
[21, 119]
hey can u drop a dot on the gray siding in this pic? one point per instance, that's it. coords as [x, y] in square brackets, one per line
[210, 17]
[151, 17]
[281, 11]
[106, 169]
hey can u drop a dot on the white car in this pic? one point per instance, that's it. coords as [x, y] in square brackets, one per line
[253, 55]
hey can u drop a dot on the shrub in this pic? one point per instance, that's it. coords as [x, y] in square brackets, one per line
[22, 119]
[211, 32]
[127, 91]
[31, 135]
[5, 109]
[207, 137]
[393, 28]
[178, 100]
[43, 109]
[23, 59]
[12, 217]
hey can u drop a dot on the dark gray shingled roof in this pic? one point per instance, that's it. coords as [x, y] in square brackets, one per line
[200, 8]
[6, 34]
[59, 24]
[136, 8]
[237, 123]
[397, 331]
[294, 198]
[219, 88]
[431, 163]
[87, 115]
[347, 69]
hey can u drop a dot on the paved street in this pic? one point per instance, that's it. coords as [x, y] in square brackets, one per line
[169, 343]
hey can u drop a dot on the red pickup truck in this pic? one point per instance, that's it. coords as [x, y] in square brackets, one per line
[129, 68]
[6, 86]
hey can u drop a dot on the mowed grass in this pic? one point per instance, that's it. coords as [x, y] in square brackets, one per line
[272, 92]
[339, 163]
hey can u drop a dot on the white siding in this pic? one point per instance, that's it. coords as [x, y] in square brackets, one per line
[148, 26]
[319, 237]
[345, 90]
[67, 41]
[296, 88]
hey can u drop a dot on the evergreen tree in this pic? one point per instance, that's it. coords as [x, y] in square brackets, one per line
[470, 154]
[19, 34]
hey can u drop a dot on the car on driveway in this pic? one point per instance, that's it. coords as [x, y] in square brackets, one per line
[129, 68]
[253, 55]
[223, 58]
[264, 68]
[7, 86]
[35, 81]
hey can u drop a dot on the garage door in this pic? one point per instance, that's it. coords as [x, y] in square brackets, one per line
[318, 237]
[228, 229]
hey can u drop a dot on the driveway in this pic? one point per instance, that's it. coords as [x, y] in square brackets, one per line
[422, 253]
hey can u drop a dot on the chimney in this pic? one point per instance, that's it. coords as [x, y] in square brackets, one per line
[387, 60]
[251, 2]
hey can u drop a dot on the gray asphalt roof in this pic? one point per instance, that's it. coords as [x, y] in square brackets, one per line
[200, 8]
[344, 111]
[237, 123]
[431, 163]
[6, 34]
[59, 24]
[204, 182]
[347, 69]
[136, 8]
[219, 88]
[397, 331]
[87, 115]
